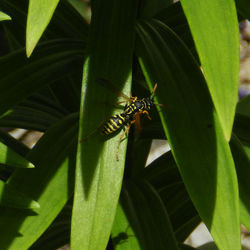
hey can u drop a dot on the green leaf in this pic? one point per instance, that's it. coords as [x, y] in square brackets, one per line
[20, 77]
[192, 127]
[12, 198]
[241, 127]
[164, 176]
[174, 17]
[243, 106]
[242, 162]
[66, 23]
[82, 7]
[215, 31]
[14, 144]
[123, 236]
[35, 113]
[11, 158]
[147, 216]
[242, 121]
[39, 14]
[50, 184]
[149, 8]
[58, 233]
[98, 174]
[243, 7]
[4, 16]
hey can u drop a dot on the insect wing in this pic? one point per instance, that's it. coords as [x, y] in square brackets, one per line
[111, 87]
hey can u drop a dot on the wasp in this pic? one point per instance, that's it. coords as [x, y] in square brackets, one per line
[130, 114]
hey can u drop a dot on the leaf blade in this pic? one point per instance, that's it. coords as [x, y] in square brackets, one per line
[51, 184]
[4, 16]
[40, 13]
[98, 174]
[218, 52]
[193, 130]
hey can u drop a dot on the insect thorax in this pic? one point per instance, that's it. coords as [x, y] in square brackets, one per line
[138, 105]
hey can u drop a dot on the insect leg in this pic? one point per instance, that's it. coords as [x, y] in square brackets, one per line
[120, 139]
[146, 113]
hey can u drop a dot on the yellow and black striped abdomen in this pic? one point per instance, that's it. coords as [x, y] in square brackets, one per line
[114, 123]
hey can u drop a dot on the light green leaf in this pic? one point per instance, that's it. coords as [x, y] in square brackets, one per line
[40, 13]
[123, 236]
[50, 184]
[11, 158]
[192, 127]
[214, 27]
[4, 16]
[98, 174]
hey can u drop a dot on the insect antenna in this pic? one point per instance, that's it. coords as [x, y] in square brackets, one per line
[153, 92]
[152, 96]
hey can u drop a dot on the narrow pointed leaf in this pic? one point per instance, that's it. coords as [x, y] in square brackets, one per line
[4, 16]
[11, 158]
[20, 77]
[50, 184]
[147, 216]
[13, 199]
[164, 176]
[194, 131]
[214, 27]
[99, 174]
[39, 14]
[242, 162]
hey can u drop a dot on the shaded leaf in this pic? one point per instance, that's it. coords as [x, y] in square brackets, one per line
[123, 236]
[147, 216]
[50, 184]
[242, 162]
[243, 7]
[12, 198]
[193, 130]
[20, 77]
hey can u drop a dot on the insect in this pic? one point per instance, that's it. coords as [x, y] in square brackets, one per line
[130, 114]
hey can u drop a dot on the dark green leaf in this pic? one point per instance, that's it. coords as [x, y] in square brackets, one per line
[147, 216]
[13, 199]
[20, 77]
[243, 7]
[242, 162]
[192, 127]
